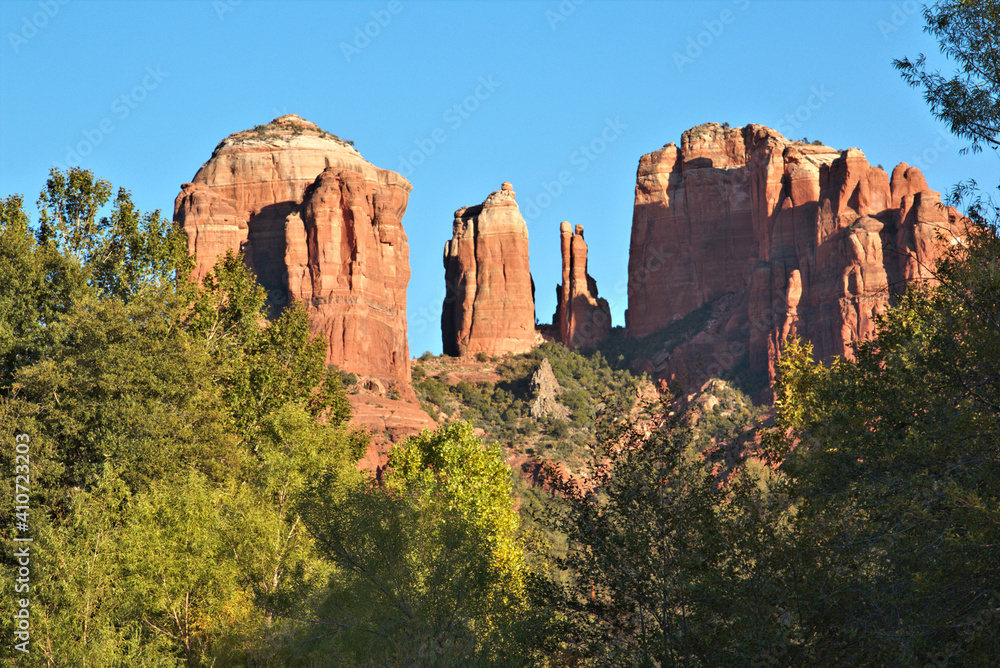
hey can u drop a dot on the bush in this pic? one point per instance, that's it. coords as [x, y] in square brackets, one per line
[434, 391]
[589, 385]
[575, 399]
[558, 429]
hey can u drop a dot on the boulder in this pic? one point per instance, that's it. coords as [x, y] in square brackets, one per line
[545, 390]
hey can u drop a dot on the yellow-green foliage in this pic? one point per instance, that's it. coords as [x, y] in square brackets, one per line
[429, 567]
[450, 472]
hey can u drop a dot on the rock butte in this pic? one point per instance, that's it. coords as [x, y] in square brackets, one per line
[489, 304]
[316, 222]
[583, 319]
[783, 238]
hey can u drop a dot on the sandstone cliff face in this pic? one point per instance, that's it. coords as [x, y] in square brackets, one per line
[691, 203]
[583, 319]
[784, 238]
[316, 222]
[489, 304]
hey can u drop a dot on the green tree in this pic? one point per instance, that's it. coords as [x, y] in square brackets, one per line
[75, 253]
[136, 250]
[451, 471]
[127, 386]
[38, 285]
[895, 475]
[179, 580]
[123, 252]
[430, 568]
[76, 597]
[172, 429]
[969, 100]
[68, 208]
[268, 539]
[667, 565]
[262, 365]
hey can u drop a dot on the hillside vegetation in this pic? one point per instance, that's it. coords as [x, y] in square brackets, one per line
[499, 403]
[194, 497]
[183, 488]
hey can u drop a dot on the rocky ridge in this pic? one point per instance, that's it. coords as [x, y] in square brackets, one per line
[785, 238]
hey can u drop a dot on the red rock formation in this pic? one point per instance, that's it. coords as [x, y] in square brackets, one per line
[389, 420]
[211, 222]
[347, 258]
[489, 304]
[800, 240]
[583, 319]
[691, 203]
[317, 222]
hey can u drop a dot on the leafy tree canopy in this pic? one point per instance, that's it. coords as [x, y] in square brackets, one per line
[969, 100]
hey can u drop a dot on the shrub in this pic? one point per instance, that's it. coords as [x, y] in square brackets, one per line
[558, 429]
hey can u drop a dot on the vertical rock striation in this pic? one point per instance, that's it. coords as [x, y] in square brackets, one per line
[315, 222]
[347, 258]
[582, 318]
[784, 238]
[489, 304]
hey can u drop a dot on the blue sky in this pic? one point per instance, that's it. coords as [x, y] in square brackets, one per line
[578, 89]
